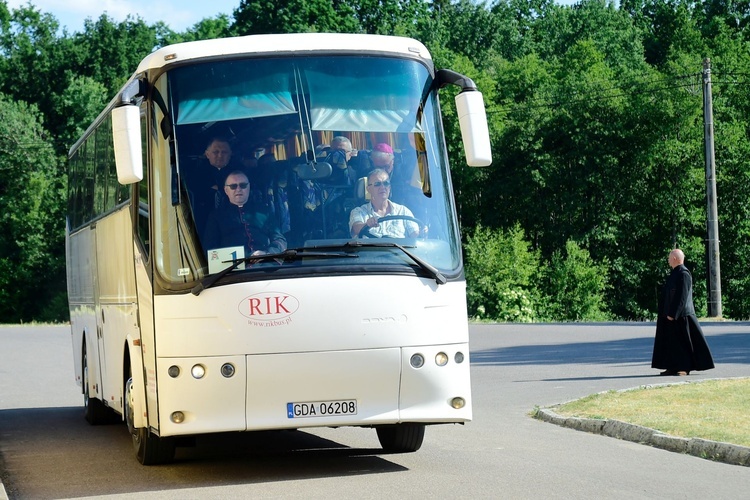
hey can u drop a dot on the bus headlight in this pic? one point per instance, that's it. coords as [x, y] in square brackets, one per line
[177, 417]
[198, 371]
[459, 357]
[416, 361]
[458, 403]
[174, 371]
[441, 359]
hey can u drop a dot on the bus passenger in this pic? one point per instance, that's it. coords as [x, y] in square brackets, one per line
[204, 179]
[238, 223]
[379, 187]
[268, 188]
[382, 157]
[341, 158]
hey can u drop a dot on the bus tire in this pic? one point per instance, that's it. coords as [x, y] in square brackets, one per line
[401, 438]
[149, 448]
[93, 409]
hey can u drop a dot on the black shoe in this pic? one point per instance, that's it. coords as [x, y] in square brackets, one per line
[668, 373]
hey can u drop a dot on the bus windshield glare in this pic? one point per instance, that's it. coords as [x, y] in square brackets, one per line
[280, 121]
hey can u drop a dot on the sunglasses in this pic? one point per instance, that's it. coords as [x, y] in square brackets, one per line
[241, 185]
[381, 183]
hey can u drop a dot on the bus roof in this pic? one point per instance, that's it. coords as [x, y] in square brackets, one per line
[282, 43]
[269, 44]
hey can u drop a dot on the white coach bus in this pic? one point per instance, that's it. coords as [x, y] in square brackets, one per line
[180, 334]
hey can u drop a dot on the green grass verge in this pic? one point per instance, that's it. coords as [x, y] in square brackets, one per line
[717, 410]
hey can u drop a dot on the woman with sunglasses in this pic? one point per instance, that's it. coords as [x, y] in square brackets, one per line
[238, 223]
[368, 215]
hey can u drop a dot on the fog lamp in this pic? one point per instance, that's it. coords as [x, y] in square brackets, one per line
[227, 369]
[177, 417]
[198, 371]
[458, 403]
[441, 359]
[417, 361]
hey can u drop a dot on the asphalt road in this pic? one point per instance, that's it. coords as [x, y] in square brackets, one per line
[47, 450]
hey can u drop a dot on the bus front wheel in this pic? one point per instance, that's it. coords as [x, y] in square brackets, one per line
[149, 448]
[401, 438]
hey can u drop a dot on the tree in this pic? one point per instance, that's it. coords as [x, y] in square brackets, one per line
[500, 272]
[575, 286]
[295, 16]
[32, 57]
[78, 105]
[206, 29]
[109, 52]
[32, 194]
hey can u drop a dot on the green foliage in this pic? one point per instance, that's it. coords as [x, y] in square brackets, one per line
[207, 29]
[595, 115]
[574, 286]
[78, 105]
[500, 270]
[294, 16]
[109, 51]
[32, 273]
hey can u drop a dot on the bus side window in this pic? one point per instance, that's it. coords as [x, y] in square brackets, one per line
[142, 187]
[143, 215]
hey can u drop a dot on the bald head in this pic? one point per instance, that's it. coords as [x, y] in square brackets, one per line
[676, 257]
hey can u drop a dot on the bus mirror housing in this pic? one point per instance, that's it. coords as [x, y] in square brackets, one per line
[475, 133]
[313, 170]
[126, 133]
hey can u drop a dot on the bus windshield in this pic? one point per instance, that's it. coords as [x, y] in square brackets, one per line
[263, 155]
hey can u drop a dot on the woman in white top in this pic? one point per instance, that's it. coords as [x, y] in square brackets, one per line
[379, 187]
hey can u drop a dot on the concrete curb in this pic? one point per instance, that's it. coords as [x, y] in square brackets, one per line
[711, 450]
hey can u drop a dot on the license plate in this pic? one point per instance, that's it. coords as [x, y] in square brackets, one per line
[321, 408]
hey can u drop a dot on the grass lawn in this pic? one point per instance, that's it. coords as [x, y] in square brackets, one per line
[718, 410]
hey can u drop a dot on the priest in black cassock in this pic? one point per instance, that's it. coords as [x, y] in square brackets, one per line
[679, 345]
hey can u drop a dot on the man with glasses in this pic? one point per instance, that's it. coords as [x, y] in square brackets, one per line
[238, 223]
[402, 189]
[368, 215]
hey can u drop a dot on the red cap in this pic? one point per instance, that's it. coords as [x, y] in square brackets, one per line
[383, 148]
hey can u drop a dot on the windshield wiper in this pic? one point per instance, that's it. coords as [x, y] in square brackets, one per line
[439, 278]
[290, 254]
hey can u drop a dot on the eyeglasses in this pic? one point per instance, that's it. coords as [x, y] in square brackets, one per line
[381, 183]
[241, 185]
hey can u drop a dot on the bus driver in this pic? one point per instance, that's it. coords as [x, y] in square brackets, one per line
[379, 187]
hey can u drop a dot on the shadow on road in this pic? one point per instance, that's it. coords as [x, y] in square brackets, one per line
[54, 453]
[729, 347]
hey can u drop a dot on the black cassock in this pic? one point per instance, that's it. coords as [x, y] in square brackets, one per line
[679, 345]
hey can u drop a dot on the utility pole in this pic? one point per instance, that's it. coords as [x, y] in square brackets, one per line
[712, 214]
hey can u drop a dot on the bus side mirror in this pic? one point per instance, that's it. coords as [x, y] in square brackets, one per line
[126, 133]
[475, 133]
